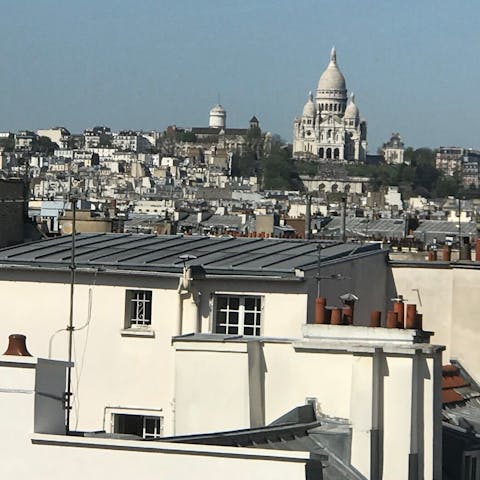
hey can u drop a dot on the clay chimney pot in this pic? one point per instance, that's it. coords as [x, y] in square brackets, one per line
[17, 346]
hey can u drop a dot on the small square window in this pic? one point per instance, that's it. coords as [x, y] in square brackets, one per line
[138, 308]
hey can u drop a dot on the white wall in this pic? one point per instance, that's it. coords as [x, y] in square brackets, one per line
[112, 369]
[375, 386]
[27, 455]
[446, 295]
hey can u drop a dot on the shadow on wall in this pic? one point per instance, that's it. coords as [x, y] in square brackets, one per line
[390, 292]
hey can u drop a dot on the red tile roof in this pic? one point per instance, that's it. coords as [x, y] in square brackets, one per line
[451, 380]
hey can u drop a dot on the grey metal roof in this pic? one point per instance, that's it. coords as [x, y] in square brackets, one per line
[449, 228]
[160, 253]
[361, 226]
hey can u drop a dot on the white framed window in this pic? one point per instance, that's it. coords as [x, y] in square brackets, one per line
[138, 308]
[144, 426]
[238, 314]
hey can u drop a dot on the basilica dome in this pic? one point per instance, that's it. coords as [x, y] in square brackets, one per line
[332, 78]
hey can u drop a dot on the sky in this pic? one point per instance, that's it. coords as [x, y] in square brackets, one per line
[414, 66]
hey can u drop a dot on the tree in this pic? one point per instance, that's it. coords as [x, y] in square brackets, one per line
[8, 143]
[166, 143]
[186, 137]
[44, 145]
[279, 172]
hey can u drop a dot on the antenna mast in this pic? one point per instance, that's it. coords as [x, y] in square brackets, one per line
[70, 327]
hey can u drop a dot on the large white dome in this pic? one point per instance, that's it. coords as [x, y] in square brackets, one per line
[332, 78]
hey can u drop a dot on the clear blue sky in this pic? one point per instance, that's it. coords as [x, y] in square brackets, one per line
[413, 64]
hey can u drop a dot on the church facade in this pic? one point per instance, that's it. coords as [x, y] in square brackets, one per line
[330, 127]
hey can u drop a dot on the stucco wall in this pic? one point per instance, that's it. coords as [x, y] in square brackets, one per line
[446, 295]
[111, 369]
[394, 393]
[27, 455]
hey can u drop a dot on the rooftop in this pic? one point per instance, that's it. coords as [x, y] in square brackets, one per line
[161, 253]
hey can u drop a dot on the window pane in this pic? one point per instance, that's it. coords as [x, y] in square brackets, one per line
[248, 331]
[234, 303]
[221, 317]
[233, 318]
[249, 318]
[222, 302]
[220, 329]
[250, 303]
[232, 330]
[150, 425]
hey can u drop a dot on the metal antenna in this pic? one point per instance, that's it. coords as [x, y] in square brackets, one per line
[70, 328]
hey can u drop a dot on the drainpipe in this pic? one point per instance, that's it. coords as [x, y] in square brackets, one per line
[308, 218]
[180, 291]
[343, 234]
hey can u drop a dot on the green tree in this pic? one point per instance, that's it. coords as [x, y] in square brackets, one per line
[278, 168]
[8, 143]
[44, 145]
[186, 137]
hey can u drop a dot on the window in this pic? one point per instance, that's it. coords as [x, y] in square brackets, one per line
[140, 425]
[138, 308]
[238, 314]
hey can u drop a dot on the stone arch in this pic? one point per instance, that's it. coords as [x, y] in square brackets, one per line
[321, 152]
[329, 153]
[336, 153]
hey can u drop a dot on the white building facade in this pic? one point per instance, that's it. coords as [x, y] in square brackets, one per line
[125, 319]
[330, 126]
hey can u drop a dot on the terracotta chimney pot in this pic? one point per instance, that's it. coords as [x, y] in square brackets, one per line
[376, 318]
[17, 345]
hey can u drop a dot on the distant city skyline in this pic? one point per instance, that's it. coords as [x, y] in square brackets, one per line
[412, 65]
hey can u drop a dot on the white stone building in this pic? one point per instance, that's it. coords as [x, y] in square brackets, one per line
[56, 134]
[393, 150]
[330, 127]
[267, 287]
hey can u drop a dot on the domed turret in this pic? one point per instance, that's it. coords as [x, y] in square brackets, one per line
[352, 110]
[218, 117]
[309, 109]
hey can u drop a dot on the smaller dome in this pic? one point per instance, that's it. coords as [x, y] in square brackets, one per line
[352, 110]
[309, 109]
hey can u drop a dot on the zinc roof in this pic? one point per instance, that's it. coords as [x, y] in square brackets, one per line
[161, 253]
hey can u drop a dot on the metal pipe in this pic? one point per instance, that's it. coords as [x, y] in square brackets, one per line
[308, 209]
[344, 220]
